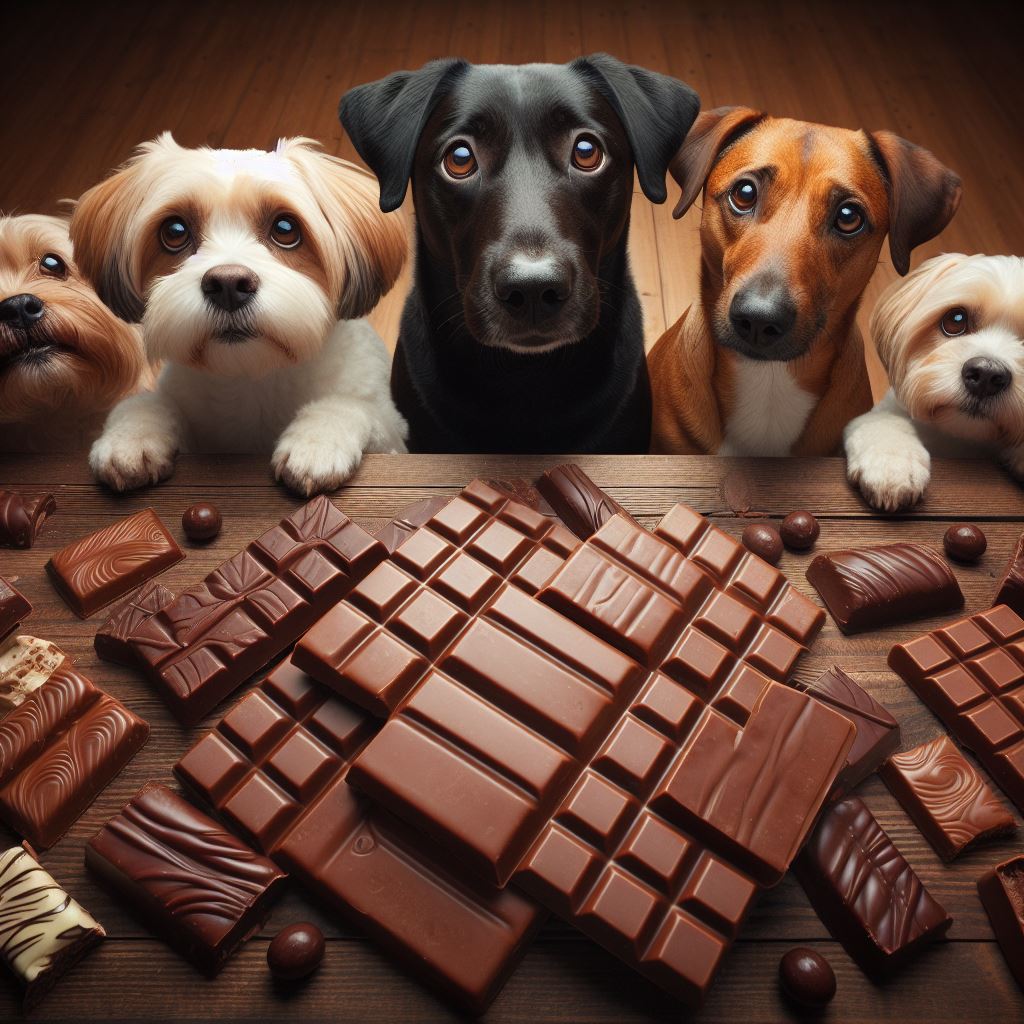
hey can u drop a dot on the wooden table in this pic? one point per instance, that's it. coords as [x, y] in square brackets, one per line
[564, 977]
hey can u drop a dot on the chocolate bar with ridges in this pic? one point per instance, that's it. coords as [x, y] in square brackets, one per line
[21, 518]
[577, 500]
[112, 638]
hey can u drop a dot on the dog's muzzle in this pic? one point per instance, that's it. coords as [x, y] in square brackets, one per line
[984, 377]
[230, 286]
[762, 316]
[533, 291]
[22, 311]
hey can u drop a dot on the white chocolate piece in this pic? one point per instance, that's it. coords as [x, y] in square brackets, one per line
[26, 662]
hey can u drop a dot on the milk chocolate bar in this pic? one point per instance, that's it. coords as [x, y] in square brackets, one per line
[577, 500]
[971, 674]
[211, 638]
[409, 520]
[864, 891]
[43, 931]
[1002, 894]
[1011, 587]
[113, 639]
[58, 750]
[197, 886]
[26, 662]
[871, 587]
[21, 517]
[14, 607]
[106, 565]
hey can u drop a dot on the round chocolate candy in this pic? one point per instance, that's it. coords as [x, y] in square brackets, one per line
[295, 951]
[807, 977]
[201, 521]
[764, 540]
[964, 542]
[799, 531]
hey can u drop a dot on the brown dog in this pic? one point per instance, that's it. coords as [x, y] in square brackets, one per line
[770, 360]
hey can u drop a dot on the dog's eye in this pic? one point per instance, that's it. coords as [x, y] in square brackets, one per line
[174, 234]
[459, 161]
[53, 264]
[587, 155]
[954, 322]
[743, 196]
[284, 232]
[849, 219]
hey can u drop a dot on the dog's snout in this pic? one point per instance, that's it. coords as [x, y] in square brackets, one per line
[230, 286]
[761, 316]
[21, 310]
[984, 377]
[533, 290]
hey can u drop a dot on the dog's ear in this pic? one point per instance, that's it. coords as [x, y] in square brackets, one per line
[711, 134]
[923, 194]
[655, 110]
[384, 120]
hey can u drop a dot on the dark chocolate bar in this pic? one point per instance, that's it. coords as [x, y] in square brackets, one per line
[106, 565]
[864, 891]
[577, 500]
[14, 607]
[199, 888]
[112, 640]
[211, 638]
[1011, 586]
[971, 674]
[947, 798]
[43, 931]
[871, 587]
[58, 750]
[21, 517]
[26, 662]
[1002, 894]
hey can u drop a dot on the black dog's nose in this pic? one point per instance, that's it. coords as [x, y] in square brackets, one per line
[533, 290]
[230, 286]
[762, 316]
[984, 377]
[21, 310]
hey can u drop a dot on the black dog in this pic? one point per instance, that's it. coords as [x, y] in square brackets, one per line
[523, 332]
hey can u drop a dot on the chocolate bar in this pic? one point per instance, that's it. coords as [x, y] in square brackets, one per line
[21, 518]
[25, 664]
[58, 750]
[872, 587]
[198, 887]
[971, 674]
[1002, 894]
[409, 520]
[1011, 587]
[112, 640]
[946, 797]
[43, 931]
[864, 891]
[14, 607]
[106, 565]
[878, 733]
[577, 500]
[211, 638]
[274, 768]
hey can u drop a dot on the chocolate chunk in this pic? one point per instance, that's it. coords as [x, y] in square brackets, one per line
[878, 733]
[409, 520]
[1011, 587]
[864, 891]
[112, 638]
[295, 952]
[58, 750]
[14, 607]
[106, 565]
[799, 531]
[964, 542]
[21, 517]
[1002, 894]
[25, 664]
[199, 888]
[947, 798]
[868, 588]
[970, 673]
[43, 931]
[577, 500]
[764, 540]
[807, 977]
[201, 522]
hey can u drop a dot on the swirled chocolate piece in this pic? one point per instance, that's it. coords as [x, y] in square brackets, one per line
[197, 886]
[866, 588]
[111, 640]
[22, 518]
[106, 565]
[26, 662]
[14, 607]
[1002, 894]
[1011, 587]
[577, 500]
[947, 797]
[43, 931]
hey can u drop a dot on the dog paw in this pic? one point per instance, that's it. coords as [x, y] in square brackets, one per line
[892, 480]
[310, 464]
[125, 464]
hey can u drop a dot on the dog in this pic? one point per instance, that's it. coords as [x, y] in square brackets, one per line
[249, 272]
[523, 330]
[65, 359]
[770, 361]
[951, 337]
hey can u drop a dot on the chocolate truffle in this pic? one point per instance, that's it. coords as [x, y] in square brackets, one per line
[201, 521]
[764, 541]
[295, 951]
[807, 977]
[799, 531]
[964, 542]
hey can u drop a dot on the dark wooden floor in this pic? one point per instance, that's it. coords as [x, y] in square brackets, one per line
[82, 84]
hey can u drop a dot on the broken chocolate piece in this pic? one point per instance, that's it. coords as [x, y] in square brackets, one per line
[25, 664]
[1011, 587]
[21, 517]
[577, 500]
[1002, 894]
[112, 641]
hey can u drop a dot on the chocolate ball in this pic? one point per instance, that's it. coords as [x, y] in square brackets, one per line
[964, 542]
[807, 977]
[799, 531]
[764, 540]
[201, 521]
[295, 951]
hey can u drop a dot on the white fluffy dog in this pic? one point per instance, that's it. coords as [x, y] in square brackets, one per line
[248, 271]
[951, 336]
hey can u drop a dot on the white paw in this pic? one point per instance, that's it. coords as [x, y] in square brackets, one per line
[127, 462]
[891, 479]
[310, 463]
